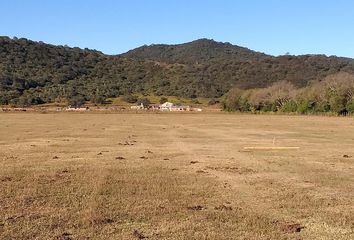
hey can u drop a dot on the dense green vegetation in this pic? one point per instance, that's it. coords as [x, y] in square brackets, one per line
[335, 94]
[36, 73]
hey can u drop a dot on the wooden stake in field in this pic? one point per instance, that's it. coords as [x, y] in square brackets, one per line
[271, 148]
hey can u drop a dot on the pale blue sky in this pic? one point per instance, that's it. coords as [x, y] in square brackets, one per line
[115, 26]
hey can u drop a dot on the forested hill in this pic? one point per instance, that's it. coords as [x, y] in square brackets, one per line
[199, 51]
[35, 72]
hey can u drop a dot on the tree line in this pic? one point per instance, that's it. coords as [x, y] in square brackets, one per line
[334, 94]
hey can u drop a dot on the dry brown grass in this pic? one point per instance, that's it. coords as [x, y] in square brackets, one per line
[171, 176]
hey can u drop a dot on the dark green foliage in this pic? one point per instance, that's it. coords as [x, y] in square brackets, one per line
[195, 101]
[98, 99]
[34, 72]
[144, 101]
[236, 101]
[337, 103]
[77, 101]
[163, 100]
[290, 106]
[130, 98]
[350, 106]
[196, 52]
[213, 102]
[306, 106]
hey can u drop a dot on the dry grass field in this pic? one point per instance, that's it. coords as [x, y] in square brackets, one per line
[175, 176]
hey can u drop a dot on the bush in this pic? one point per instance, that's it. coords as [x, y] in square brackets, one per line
[234, 101]
[290, 106]
[337, 103]
[350, 106]
[195, 101]
[77, 101]
[322, 107]
[144, 101]
[98, 99]
[130, 98]
[213, 102]
[163, 100]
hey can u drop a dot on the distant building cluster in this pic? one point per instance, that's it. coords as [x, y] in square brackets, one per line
[167, 106]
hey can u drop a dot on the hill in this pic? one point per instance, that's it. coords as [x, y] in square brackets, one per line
[35, 72]
[199, 51]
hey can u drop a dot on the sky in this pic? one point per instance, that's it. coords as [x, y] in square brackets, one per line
[115, 26]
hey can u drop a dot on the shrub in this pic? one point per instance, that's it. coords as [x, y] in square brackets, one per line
[290, 106]
[350, 106]
[143, 101]
[77, 101]
[213, 102]
[130, 98]
[195, 101]
[163, 100]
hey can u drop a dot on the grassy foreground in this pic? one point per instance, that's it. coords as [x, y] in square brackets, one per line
[175, 176]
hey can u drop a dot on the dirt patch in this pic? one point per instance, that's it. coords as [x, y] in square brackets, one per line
[14, 218]
[126, 143]
[65, 236]
[62, 176]
[239, 170]
[223, 207]
[6, 179]
[291, 227]
[196, 208]
[137, 234]
[99, 221]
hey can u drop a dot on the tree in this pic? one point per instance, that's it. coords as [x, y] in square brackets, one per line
[289, 107]
[213, 101]
[144, 101]
[350, 106]
[337, 103]
[235, 100]
[163, 100]
[98, 99]
[130, 98]
[77, 101]
[281, 93]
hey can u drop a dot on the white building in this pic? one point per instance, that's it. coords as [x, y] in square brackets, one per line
[166, 106]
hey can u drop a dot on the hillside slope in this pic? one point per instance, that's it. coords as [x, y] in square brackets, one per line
[34, 72]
